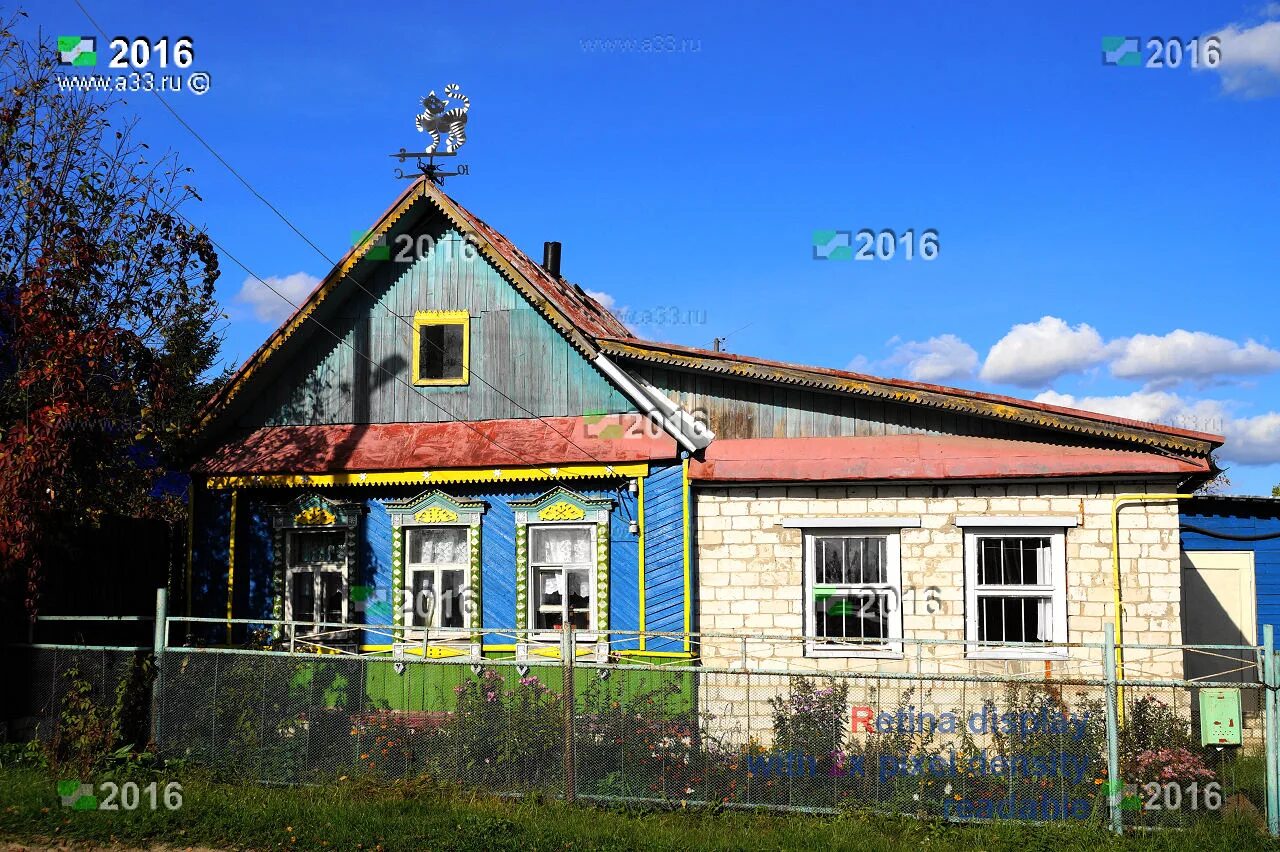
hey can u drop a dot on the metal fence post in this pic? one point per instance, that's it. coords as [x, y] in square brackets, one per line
[567, 654]
[1270, 729]
[157, 655]
[1114, 791]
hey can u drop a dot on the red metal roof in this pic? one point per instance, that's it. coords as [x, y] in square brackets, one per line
[616, 438]
[588, 315]
[892, 457]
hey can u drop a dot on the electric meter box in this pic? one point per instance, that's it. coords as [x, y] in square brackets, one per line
[1220, 717]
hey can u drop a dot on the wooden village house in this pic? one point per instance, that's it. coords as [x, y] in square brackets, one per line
[462, 426]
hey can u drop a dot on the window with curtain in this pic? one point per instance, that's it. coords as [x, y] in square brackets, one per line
[562, 564]
[435, 576]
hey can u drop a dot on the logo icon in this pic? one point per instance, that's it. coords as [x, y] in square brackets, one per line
[77, 51]
[832, 245]
[611, 432]
[1122, 51]
[378, 249]
[77, 796]
[1127, 794]
[367, 598]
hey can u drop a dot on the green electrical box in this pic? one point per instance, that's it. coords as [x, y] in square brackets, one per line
[1220, 717]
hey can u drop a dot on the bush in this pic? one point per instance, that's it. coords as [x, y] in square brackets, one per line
[811, 720]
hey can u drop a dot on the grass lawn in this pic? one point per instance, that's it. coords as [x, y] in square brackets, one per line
[383, 816]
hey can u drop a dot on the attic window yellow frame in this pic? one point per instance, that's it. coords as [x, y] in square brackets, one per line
[422, 319]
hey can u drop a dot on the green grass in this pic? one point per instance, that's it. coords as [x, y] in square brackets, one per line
[369, 815]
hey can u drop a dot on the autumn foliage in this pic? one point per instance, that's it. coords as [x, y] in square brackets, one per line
[107, 315]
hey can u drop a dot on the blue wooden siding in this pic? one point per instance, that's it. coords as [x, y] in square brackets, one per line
[497, 566]
[664, 602]
[253, 547]
[374, 571]
[513, 350]
[624, 568]
[1266, 559]
[254, 582]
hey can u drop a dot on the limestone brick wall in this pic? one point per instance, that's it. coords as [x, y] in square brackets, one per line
[750, 571]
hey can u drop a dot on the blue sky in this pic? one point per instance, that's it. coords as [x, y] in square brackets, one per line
[1107, 234]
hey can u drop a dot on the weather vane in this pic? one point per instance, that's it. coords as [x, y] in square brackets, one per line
[438, 120]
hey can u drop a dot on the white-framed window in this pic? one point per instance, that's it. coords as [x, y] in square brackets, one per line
[437, 559]
[853, 588]
[316, 577]
[1015, 591]
[562, 576]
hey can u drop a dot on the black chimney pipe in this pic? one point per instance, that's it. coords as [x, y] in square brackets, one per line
[551, 258]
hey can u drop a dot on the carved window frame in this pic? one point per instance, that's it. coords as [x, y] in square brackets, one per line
[435, 508]
[560, 506]
[308, 513]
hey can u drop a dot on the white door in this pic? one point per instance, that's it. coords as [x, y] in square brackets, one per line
[1219, 608]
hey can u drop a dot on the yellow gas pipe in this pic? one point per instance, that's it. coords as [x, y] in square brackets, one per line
[1116, 503]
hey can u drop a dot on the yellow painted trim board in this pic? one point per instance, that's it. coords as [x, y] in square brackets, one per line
[231, 561]
[640, 524]
[406, 477]
[416, 651]
[688, 560]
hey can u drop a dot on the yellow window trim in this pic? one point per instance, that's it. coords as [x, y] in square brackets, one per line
[425, 318]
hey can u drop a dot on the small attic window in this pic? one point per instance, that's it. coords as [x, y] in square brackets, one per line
[441, 347]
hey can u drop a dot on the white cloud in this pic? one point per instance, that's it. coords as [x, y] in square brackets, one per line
[1249, 440]
[1254, 440]
[938, 359]
[602, 297]
[269, 307]
[1189, 356]
[1250, 59]
[1036, 353]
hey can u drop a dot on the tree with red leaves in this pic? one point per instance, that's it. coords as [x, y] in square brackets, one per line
[107, 314]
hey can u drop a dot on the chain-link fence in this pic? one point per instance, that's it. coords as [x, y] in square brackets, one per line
[949, 745]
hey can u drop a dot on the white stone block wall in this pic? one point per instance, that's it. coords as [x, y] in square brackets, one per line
[749, 571]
